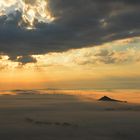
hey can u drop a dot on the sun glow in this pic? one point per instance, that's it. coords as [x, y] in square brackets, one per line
[32, 11]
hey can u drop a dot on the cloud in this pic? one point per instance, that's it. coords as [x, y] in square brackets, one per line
[76, 24]
[25, 59]
[109, 54]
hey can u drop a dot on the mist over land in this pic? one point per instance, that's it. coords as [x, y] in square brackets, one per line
[63, 116]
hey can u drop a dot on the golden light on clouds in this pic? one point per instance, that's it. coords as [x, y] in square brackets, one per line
[88, 67]
[30, 10]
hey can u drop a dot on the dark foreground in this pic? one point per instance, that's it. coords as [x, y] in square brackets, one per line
[64, 117]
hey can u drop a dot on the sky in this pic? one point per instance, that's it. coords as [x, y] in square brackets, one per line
[69, 44]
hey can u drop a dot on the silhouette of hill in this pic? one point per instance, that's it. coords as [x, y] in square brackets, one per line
[108, 99]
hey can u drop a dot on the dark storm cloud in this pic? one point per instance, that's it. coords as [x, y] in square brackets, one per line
[78, 23]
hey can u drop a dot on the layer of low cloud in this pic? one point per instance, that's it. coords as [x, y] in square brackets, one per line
[77, 24]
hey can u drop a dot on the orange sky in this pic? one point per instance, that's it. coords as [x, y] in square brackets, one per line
[112, 65]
